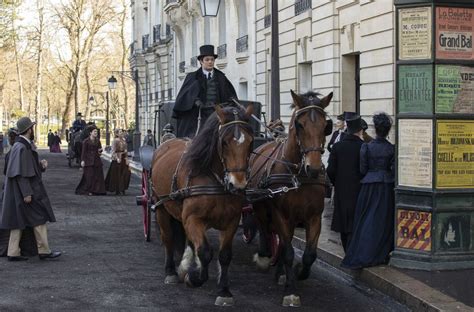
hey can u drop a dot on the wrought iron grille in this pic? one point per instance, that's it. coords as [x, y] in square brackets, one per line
[242, 44]
[171, 1]
[156, 33]
[168, 31]
[194, 61]
[170, 94]
[182, 65]
[145, 42]
[267, 20]
[302, 6]
[222, 51]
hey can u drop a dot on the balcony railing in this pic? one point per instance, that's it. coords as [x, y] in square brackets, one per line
[302, 6]
[170, 94]
[170, 1]
[242, 44]
[145, 42]
[194, 61]
[267, 20]
[156, 33]
[182, 66]
[222, 51]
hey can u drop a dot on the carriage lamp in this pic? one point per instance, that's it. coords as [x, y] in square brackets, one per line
[210, 7]
[112, 83]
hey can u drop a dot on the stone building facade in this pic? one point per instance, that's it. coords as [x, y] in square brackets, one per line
[343, 46]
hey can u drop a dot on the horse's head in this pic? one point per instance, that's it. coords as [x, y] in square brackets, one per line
[235, 144]
[309, 128]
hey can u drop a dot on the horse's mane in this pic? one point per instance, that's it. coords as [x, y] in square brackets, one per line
[203, 149]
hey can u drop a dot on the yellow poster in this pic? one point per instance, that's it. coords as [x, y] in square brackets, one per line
[455, 154]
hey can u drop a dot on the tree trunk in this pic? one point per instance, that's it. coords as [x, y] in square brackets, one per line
[39, 70]
[123, 18]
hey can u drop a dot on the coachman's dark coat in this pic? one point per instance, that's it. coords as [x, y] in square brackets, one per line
[194, 88]
[23, 178]
[344, 173]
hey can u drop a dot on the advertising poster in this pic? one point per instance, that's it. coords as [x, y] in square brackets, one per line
[414, 33]
[414, 229]
[454, 33]
[455, 154]
[454, 89]
[415, 143]
[415, 88]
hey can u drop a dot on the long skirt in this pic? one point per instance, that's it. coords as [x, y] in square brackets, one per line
[92, 182]
[55, 148]
[372, 236]
[118, 177]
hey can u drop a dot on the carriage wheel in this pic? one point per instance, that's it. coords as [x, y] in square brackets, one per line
[146, 205]
[275, 247]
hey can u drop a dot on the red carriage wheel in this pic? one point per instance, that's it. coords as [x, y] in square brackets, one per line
[145, 203]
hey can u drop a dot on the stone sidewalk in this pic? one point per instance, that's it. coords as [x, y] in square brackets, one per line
[419, 290]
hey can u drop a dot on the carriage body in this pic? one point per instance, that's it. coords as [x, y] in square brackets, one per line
[74, 147]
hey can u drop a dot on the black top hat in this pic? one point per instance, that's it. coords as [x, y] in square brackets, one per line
[79, 114]
[23, 124]
[206, 50]
[354, 124]
[349, 115]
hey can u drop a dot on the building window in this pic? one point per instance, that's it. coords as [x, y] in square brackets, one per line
[350, 83]
[305, 77]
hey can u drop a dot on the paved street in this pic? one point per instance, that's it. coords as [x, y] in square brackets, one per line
[107, 265]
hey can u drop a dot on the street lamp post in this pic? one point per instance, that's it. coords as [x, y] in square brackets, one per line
[136, 134]
[112, 83]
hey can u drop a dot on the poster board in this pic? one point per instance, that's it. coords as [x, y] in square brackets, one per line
[415, 144]
[455, 154]
[454, 86]
[415, 88]
[454, 33]
[414, 38]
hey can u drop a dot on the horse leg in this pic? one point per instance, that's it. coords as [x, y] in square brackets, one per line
[290, 299]
[224, 296]
[313, 229]
[199, 269]
[164, 221]
[262, 258]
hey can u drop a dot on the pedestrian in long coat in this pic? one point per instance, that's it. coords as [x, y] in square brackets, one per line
[28, 242]
[344, 173]
[372, 239]
[201, 91]
[92, 181]
[25, 202]
[50, 139]
[118, 176]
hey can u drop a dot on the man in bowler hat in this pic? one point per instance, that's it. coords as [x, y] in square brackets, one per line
[201, 91]
[25, 201]
[344, 173]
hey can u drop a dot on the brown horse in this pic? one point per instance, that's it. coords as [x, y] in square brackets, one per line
[295, 163]
[200, 184]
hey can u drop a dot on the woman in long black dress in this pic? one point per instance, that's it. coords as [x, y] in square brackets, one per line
[118, 176]
[372, 239]
[92, 181]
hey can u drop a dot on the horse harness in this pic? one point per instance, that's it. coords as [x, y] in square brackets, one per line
[221, 188]
[272, 184]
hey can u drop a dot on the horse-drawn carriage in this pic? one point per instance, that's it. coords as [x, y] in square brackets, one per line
[74, 146]
[204, 183]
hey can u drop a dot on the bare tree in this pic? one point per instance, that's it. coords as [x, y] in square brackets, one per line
[39, 65]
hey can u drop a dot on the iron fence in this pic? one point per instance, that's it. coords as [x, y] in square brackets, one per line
[222, 51]
[182, 66]
[145, 42]
[242, 44]
[302, 6]
[267, 21]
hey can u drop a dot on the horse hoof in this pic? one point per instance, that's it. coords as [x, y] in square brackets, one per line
[263, 263]
[187, 281]
[282, 280]
[224, 301]
[171, 279]
[291, 301]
